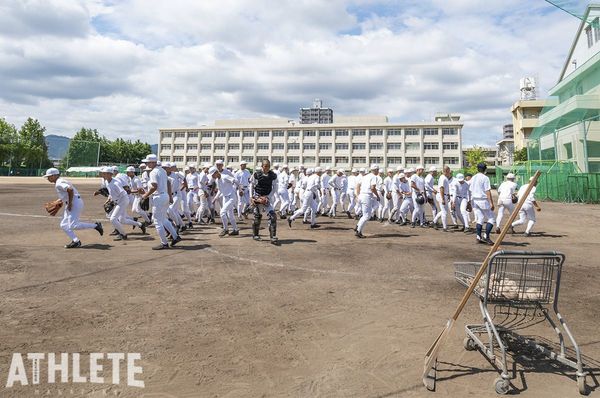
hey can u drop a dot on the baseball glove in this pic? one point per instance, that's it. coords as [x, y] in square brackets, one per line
[388, 195]
[469, 207]
[145, 204]
[261, 200]
[103, 191]
[514, 198]
[109, 205]
[53, 207]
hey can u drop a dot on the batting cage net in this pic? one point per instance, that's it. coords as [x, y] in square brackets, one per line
[82, 154]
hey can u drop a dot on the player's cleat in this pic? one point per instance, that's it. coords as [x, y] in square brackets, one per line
[289, 222]
[256, 238]
[479, 239]
[114, 232]
[313, 226]
[274, 240]
[305, 222]
[359, 235]
[223, 233]
[489, 242]
[528, 234]
[413, 225]
[175, 241]
[73, 245]
[498, 230]
[235, 232]
[190, 225]
[349, 215]
[143, 228]
[160, 247]
[467, 230]
[512, 230]
[99, 228]
[121, 237]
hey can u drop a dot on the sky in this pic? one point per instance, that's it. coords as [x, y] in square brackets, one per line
[130, 67]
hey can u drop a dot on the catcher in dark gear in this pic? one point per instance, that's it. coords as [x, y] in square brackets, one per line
[264, 184]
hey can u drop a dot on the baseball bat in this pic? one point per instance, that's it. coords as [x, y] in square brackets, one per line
[432, 352]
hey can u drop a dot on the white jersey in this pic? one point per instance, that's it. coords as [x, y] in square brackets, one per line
[135, 183]
[459, 191]
[61, 185]
[480, 184]
[283, 179]
[115, 190]
[352, 182]
[506, 190]
[531, 198]
[203, 180]
[388, 184]
[419, 182]
[444, 182]
[158, 177]
[337, 183]
[429, 182]
[176, 182]
[325, 181]
[227, 184]
[366, 184]
[404, 187]
[292, 180]
[243, 178]
[192, 180]
[313, 183]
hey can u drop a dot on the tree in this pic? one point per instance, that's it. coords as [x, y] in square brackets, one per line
[521, 155]
[475, 156]
[8, 138]
[32, 151]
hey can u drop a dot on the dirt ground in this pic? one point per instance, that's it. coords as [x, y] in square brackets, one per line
[323, 315]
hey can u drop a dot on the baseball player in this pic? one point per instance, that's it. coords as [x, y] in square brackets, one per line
[203, 193]
[159, 189]
[367, 188]
[388, 203]
[283, 185]
[405, 193]
[418, 188]
[443, 198]
[430, 191]
[243, 179]
[174, 208]
[325, 177]
[337, 185]
[227, 186]
[292, 190]
[506, 193]
[310, 188]
[136, 191]
[73, 206]
[191, 180]
[460, 197]
[351, 192]
[527, 212]
[482, 203]
[264, 185]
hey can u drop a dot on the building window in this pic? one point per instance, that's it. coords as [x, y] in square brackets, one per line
[277, 159]
[206, 134]
[359, 160]
[180, 134]
[413, 146]
[165, 147]
[219, 147]
[220, 134]
[358, 132]
[307, 146]
[376, 159]
[233, 159]
[248, 147]
[324, 159]
[310, 133]
[167, 134]
[278, 146]
[178, 158]
[263, 133]
[430, 131]
[431, 146]
[374, 132]
[293, 133]
[324, 133]
[309, 159]
[191, 159]
[413, 160]
[590, 39]
[394, 160]
[450, 146]
[192, 134]
[165, 159]
[358, 146]
[596, 26]
[179, 147]
[341, 159]
[234, 134]
[449, 131]
[394, 132]
[394, 146]
[430, 161]
[278, 133]
[293, 159]
[233, 147]
[205, 159]
[293, 146]
[324, 146]
[205, 147]
[341, 133]
[341, 147]
[192, 147]
[373, 146]
[248, 134]
[451, 160]
[248, 159]
[262, 147]
[411, 131]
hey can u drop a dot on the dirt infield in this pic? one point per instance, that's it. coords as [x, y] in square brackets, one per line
[323, 315]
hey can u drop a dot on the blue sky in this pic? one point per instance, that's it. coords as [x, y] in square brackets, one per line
[131, 67]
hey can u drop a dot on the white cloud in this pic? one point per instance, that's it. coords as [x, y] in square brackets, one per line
[131, 67]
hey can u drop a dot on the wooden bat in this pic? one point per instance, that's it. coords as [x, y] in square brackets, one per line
[432, 353]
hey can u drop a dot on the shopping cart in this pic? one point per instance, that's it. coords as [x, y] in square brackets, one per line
[518, 283]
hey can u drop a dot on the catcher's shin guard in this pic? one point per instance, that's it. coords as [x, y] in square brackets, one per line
[256, 222]
[272, 224]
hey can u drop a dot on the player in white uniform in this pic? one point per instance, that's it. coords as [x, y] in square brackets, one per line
[324, 203]
[388, 202]
[351, 192]
[482, 204]
[227, 185]
[460, 197]
[160, 190]
[203, 193]
[443, 198]
[406, 198]
[173, 211]
[243, 179]
[337, 185]
[430, 191]
[418, 189]
[292, 190]
[367, 188]
[136, 190]
[283, 184]
[527, 212]
[73, 206]
[506, 193]
[310, 187]
[191, 180]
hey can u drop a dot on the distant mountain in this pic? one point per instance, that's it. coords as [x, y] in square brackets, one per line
[154, 148]
[57, 146]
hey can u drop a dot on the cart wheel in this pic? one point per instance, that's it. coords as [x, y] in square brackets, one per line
[583, 388]
[502, 386]
[469, 344]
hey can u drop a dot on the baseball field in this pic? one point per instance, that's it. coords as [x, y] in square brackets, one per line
[322, 315]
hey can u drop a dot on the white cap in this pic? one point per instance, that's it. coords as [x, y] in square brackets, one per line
[206, 165]
[362, 170]
[309, 171]
[419, 167]
[166, 164]
[275, 164]
[411, 170]
[327, 168]
[51, 172]
[192, 165]
[433, 168]
[243, 162]
[130, 169]
[173, 164]
[114, 168]
[399, 168]
[460, 177]
[158, 163]
[186, 168]
[355, 170]
[151, 158]
[341, 171]
[285, 166]
[374, 166]
[510, 176]
[105, 169]
[212, 170]
[318, 169]
[142, 166]
[390, 170]
[219, 161]
[402, 175]
[229, 166]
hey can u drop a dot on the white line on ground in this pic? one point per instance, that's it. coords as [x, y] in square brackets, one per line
[24, 215]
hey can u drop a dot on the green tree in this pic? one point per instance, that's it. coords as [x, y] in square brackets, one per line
[521, 155]
[8, 139]
[475, 156]
[32, 151]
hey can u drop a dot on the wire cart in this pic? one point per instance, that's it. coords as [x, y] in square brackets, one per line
[518, 281]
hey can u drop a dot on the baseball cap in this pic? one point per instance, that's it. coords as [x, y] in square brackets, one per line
[105, 169]
[327, 168]
[142, 165]
[114, 169]
[173, 164]
[166, 164]
[390, 170]
[355, 170]
[433, 168]
[460, 177]
[402, 175]
[362, 170]
[130, 169]
[52, 171]
[186, 168]
[309, 171]
[243, 162]
[206, 165]
[419, 167]
[481, 166]
[285, 166]
[275, 164]
[318, 169]
[341, 171]
[374, 166]
[510, 176]
[410, 170]
[399, 168]
[192, 165]
[159, 163]
[150, 158]
[219, 161]
[212, 170]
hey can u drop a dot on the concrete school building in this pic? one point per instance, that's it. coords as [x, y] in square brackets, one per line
[569, 128]
[348, 142]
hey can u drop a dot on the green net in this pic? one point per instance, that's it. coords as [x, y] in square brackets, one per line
[576, 8]
[82, 154]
